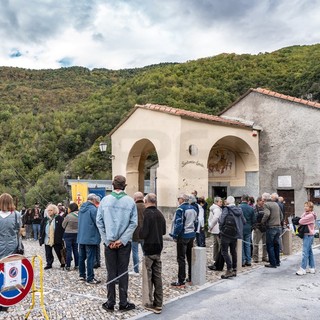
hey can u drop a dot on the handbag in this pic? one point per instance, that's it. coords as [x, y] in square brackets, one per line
[20, 246]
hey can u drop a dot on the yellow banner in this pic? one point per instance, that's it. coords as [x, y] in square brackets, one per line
[79, 192]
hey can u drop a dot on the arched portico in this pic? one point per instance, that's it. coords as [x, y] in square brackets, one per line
[233, 168]
[136, 165]
[186, 144]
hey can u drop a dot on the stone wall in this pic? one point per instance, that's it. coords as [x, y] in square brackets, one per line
[288, 142]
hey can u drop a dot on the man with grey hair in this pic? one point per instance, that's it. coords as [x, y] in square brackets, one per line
[213, 227]
[138, 199]
[183, 232]
[88, 238]
[152, 230]
[231, 224]
[272, 218]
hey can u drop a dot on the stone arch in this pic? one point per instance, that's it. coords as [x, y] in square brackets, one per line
[233, 164]
[135, 169]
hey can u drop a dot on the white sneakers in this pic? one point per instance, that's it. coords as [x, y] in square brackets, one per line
[302, 272]
[311, 270]
[133, 273]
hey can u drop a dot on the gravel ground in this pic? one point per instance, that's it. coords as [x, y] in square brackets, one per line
[67, 298]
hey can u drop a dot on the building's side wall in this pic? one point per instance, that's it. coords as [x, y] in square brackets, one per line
[289, 142]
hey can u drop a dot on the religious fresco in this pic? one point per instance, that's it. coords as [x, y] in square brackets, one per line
[221, 163]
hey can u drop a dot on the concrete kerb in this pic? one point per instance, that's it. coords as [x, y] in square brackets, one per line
[209, 284]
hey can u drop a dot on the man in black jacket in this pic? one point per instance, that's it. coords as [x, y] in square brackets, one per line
[152, 231]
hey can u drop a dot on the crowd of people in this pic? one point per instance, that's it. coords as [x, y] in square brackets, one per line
[122, 223]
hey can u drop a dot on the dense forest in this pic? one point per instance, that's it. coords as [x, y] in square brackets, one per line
[53, 120]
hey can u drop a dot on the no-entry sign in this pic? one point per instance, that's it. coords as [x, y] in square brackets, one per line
[16, 277]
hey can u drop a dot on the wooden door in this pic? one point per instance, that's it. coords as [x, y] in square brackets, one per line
[288, 196]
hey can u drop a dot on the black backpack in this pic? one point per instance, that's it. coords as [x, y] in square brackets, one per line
[229, 228]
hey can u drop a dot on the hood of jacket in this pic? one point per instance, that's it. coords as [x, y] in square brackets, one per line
[237, 211]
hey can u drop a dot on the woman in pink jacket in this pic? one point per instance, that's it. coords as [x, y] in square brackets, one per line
[308, 218]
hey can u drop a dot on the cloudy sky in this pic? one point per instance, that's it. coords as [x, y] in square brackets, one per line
[118, 34]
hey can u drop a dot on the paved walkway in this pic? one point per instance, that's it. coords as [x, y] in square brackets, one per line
[262, 293]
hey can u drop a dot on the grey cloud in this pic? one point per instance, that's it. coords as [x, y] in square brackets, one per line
[36, 21]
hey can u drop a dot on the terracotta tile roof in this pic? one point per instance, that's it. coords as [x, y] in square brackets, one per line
[182, 113]
[276, 95]
[191, 114]
[285, 97]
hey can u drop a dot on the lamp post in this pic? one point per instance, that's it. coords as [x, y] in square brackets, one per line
[103, 148]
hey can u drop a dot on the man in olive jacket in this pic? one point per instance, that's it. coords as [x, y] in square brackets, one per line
[272, 218]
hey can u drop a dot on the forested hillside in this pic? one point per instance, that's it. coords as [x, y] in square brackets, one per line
[53, 120]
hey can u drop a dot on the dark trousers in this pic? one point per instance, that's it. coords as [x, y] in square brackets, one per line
[201, 239]
[184, 247]
[273, 245]
[49, 255]
[227, 243]
[154, 269]
[117, 261]
[72, 248]
[97, 261]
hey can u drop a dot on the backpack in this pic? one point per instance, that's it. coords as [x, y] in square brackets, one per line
[229, 228]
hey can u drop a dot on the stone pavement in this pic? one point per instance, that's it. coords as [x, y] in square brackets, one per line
[262, 293]
[66, 298]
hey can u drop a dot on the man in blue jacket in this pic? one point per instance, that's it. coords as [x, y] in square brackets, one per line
[117, 220]
[183, 232]
[88, 238]
[250, 217]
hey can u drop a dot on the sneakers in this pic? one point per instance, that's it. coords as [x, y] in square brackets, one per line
[301, 272]
[311, 270]
[82, 278]
[227, 275]
[212, 267]
[107, 307]
[93, 281]
[133, 273]
[150, 307]
[129, 306]
[270, 266]
[67, 269]
[178, 284]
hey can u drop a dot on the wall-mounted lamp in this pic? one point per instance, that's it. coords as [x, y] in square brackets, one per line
[103, 148]
[193, 150]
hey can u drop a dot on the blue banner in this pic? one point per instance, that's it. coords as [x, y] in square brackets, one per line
[101, 192]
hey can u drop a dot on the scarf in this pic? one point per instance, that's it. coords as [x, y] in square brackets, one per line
[51, 233]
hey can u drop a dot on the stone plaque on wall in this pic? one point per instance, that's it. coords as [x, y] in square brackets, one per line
[284, 182]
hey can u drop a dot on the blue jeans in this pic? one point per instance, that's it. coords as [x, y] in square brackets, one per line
[307, 253]
[246, 248]
[87, 252]
[135, 255]
[273, 245]
[72, 248]
[36, 231]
